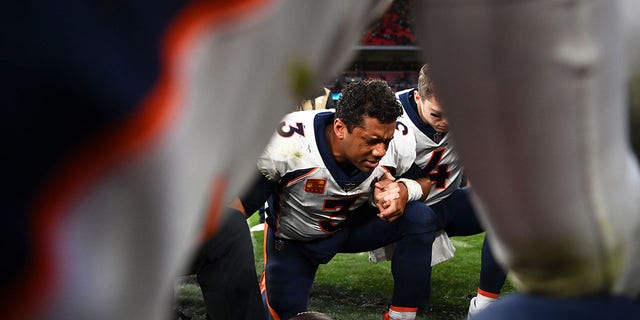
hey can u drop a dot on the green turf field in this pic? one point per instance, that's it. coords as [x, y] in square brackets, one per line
[351, 287]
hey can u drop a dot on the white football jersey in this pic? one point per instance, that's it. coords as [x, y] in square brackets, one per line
[439, 159]
[316, 195]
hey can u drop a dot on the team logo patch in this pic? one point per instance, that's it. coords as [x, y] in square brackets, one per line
[315, 185]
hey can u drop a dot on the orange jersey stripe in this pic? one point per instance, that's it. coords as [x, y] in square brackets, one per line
[119, 144]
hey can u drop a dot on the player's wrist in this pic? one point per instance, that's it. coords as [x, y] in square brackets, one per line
[372, 200]
[372, 197]
[414, 189]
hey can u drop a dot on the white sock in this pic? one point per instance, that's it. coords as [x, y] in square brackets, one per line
[483, 301]
[396, 313]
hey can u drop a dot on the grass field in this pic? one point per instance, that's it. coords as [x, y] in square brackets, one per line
[351, 287]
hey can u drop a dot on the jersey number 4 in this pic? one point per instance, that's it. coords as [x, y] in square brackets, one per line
[438, 173]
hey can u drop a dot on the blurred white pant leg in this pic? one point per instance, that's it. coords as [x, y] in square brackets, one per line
[536, 95]
[132, 230]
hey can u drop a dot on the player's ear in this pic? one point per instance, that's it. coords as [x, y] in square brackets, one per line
[339, 128]
[416, 96]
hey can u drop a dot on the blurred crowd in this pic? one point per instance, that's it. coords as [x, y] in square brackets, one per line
[395, 28]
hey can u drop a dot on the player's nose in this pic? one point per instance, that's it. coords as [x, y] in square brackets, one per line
[379, 150]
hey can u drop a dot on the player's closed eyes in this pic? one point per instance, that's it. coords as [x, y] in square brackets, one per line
[376, 141]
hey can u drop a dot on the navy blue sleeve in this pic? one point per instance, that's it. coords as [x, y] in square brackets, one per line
[415, 172]
[257, 193]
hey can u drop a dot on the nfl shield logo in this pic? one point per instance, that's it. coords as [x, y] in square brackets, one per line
[349, 186]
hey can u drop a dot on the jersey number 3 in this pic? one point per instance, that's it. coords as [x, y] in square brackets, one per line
[286, 130]
[342, 206]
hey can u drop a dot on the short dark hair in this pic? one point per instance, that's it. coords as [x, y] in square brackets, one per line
[367, 98]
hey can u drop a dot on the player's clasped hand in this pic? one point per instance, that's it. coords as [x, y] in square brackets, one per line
[387, 197]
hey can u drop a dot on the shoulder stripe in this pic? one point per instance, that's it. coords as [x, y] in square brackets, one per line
[294, 176]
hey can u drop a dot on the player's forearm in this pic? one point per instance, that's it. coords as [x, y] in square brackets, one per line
[425, 184]
[416, 189]
[421, 177]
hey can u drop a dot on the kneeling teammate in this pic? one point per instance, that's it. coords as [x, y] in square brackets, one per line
[324, 169]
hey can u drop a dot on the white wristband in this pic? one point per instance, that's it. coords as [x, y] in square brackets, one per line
[414, 189]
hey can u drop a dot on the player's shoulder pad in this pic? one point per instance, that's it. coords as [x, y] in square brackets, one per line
[291, 146]
[304, 115]
[404, 140]
[402, 148]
